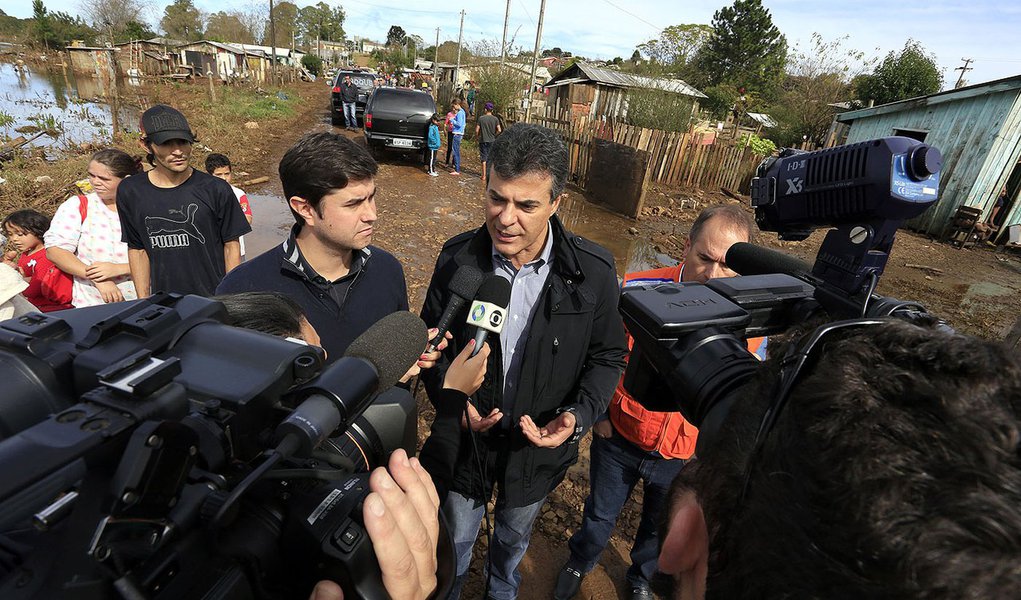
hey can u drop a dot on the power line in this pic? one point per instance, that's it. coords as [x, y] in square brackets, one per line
[625, 11]
[527, 14]
[411, 10]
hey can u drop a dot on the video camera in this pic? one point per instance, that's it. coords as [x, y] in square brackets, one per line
[150, 451]
[689, 352]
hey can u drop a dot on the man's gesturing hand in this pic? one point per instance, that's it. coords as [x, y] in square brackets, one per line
[480, 423]
[556, 432]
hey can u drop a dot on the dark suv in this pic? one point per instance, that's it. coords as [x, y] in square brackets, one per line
[398, 118]
[364, 80]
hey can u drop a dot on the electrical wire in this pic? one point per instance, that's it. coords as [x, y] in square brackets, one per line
[627, 12]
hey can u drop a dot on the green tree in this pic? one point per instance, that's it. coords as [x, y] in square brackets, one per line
[448, 53]
[312, 63]
[113, 15]
[228, 27]
[321, 22]
[285, 17]
[181, 20]
[67, 28]
[908, 74]
[657, 109]
[745, 50]
[720, 99]
[675, 48]
[136, 30]
[817, 77]
[396, 36]
[42, 28]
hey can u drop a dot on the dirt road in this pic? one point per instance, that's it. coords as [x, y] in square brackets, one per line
[977, 291]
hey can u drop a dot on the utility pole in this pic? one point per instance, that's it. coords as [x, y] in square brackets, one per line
[535, 62]
[457, 68]
[436, 62]
[963, 69]
[273, 41]
[503, 43]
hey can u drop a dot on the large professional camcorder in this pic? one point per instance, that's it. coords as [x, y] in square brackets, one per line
[150, 451]
[689, 352]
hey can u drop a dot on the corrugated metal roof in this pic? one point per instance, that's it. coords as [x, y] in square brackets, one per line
[971, 91]
[627, 80]
[766, 120]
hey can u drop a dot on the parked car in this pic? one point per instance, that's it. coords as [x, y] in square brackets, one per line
[364, 80]
[398, 119]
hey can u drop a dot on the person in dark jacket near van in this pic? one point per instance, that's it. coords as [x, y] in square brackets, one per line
[349, 98]
[553, 368]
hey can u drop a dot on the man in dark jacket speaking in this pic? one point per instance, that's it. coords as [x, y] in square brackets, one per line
[554, 367]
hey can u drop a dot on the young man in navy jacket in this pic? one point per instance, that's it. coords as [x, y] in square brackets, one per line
[327, 264]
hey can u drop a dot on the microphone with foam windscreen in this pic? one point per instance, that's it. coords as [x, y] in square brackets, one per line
[375, 361]
[489, 309]
[749, 259]
[463, 286]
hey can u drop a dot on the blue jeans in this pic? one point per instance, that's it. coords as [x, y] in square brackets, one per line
[616, 466]
[456, 146]
[511, 531]
[350, 117]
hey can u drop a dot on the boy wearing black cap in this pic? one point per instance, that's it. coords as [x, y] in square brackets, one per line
[181, 225]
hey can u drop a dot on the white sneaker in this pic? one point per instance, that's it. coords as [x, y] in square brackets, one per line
[434, 174]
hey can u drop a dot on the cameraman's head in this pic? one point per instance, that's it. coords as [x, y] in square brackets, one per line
[715, 230]
[893, 471]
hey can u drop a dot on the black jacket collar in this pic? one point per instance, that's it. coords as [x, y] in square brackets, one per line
[479, 249]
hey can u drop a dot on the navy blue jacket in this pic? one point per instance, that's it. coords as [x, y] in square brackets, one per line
[377, 290]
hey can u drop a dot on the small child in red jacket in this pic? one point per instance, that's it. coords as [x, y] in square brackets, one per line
[46, 290]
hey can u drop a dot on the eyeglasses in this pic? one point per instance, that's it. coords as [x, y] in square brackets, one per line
[792, 364]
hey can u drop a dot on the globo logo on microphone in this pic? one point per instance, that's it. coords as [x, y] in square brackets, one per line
[487, 316]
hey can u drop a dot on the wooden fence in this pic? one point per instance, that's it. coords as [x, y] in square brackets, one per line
[692, 159]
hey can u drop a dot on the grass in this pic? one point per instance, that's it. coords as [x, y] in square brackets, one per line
[243, 103]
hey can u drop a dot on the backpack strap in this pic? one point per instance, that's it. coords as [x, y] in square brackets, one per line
[83, 206]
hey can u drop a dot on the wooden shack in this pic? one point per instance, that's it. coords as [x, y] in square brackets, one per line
[92, 61]
[586, 89]
[145, 58]
[977, 129]
[226, 61]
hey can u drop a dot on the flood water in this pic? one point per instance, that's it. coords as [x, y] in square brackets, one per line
[78, 105]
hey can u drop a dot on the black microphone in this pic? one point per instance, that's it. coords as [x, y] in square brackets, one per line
[749, 259]
[376, 360]
[463, 285]
[489, 309]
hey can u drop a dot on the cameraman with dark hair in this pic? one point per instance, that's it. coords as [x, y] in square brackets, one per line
[893, 470]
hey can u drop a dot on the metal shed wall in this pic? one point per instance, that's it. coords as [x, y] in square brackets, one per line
[978, 137]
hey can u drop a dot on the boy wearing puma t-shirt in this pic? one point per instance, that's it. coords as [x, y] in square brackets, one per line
[181, 225]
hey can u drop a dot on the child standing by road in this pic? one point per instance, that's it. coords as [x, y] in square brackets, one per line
[458, 135]
[434, 142]
[218, 165]
[48, 288]
[450, 132]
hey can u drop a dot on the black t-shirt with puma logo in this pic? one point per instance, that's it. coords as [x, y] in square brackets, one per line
[182, 229]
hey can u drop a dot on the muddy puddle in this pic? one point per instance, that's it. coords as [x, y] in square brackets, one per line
[75, 106]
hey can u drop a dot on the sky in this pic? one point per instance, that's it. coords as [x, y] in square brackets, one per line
[983, 30]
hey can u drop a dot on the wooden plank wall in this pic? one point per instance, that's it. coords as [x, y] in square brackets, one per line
[676, 158]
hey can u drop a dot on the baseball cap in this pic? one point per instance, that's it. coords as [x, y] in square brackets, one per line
[489, 106]
[163, 123]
